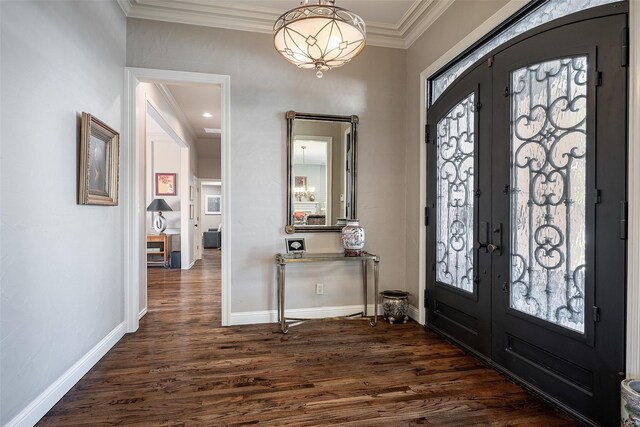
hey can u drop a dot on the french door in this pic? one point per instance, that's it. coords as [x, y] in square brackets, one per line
[526, 191]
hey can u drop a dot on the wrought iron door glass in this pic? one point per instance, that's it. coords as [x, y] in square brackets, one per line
[548, 190]
[548, 11]
[455, 195]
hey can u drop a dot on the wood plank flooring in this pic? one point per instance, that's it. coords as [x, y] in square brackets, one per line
[182, 369]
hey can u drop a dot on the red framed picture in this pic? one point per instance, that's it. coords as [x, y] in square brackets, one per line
[166, 184]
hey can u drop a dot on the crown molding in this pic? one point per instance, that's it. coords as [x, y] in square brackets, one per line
[125, 5]
[237, 16]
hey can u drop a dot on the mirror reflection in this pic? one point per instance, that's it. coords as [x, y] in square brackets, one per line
[321, 181]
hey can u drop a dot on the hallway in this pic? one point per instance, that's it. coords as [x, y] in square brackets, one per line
[182, 368]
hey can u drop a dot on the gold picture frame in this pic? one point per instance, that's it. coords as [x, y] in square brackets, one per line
[99, 163]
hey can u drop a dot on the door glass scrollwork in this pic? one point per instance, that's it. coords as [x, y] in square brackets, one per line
[548, 190]
[455, 196]
[545, 12]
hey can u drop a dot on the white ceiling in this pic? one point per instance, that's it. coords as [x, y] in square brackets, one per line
[194, 100]
[390, 23]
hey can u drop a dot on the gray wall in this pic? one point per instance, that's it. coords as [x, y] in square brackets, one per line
[456, 23]
[62, 264]
[209, 168]
[263, 88]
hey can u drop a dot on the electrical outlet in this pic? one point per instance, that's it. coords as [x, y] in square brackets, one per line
[319, 288]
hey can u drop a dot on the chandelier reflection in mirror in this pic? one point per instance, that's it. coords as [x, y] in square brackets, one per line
[319, 36]
[303, 191]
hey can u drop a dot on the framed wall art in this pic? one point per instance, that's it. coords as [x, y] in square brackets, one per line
[212, 206]
[301, 182]
[166, 184]
[99, 163]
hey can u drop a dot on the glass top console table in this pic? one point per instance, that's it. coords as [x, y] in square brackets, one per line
[283, 259]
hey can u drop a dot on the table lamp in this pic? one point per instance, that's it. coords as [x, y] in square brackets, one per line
[159, 205]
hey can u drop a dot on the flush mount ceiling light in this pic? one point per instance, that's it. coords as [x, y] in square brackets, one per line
[319, 36]
[207, 115]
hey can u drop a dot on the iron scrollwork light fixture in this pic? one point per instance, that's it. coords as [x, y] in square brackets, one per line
[319, 36]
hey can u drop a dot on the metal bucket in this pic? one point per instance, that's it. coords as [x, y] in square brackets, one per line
[395, 305]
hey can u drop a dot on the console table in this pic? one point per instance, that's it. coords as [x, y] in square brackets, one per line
[283, 259]
[158, 249]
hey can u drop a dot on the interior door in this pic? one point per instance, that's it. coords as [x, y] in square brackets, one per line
[559, 186]
[459, 205]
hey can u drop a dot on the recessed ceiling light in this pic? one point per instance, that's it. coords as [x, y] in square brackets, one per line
[207, 115]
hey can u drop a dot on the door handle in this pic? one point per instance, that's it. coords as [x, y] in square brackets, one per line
[492, 248]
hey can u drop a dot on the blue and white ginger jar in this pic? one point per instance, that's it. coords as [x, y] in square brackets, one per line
[353, 238]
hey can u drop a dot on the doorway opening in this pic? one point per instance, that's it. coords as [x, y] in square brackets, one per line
[186, 127]
[210, 214]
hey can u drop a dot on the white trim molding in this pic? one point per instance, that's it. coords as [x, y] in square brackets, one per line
[133, 157]
[133, 226]
[414, 313]
[633, 244]
[30, 415]
[237, 16]
[271, 316]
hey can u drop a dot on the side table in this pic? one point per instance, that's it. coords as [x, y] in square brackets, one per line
[283, 259]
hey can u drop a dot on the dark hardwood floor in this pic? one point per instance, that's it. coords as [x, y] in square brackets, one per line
[182, 368]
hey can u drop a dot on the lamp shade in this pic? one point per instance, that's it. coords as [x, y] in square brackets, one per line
[320, 36]
[159, 205]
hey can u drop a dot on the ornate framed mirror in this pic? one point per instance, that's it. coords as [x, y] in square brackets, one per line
[321, 171]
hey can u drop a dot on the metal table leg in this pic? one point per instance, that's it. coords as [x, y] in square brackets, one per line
[364, 282]
[376, 275]
[283, 321]
[279, 275]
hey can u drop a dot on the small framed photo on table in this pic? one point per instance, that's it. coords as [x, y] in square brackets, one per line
[295, 245]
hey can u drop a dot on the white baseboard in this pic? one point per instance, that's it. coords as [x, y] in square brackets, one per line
[142, 313]
[414, 313]
[271, 316]
[30, 415]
